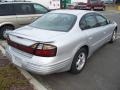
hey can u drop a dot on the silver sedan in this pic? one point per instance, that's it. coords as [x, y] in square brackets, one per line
[61, 40]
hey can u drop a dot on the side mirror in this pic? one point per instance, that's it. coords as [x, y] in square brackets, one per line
[109, 21]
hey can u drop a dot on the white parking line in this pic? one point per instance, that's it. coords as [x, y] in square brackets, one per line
[118, 35]
[110, 12]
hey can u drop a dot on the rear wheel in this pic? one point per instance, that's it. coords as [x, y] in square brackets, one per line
[79, 61]
[4, 29]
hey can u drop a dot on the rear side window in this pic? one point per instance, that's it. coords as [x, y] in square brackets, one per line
[83, 24]
[6, 9]
[22, 9]
[39, 9]
[88, 21]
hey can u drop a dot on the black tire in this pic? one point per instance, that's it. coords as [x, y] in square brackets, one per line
[112, 38]
[74, 68]
[3, 29]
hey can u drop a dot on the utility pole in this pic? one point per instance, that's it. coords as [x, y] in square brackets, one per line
[63, 4]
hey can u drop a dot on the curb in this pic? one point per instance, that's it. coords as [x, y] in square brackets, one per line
[37, 85]
[2, 50]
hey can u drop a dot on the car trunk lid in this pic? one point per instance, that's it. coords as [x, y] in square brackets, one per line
[30, 35]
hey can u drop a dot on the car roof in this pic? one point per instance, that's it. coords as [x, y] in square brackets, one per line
[14, 2]
[73, 12]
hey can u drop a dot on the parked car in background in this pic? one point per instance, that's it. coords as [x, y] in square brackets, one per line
[88, 5]
[16, 14]
[108, 1]
[72, 5]
[59, 41]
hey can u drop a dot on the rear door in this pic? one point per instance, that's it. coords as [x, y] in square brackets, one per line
[94, 33]
[24, 13]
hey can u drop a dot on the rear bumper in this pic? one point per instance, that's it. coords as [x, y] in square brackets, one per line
[43, 70]
[35, 64]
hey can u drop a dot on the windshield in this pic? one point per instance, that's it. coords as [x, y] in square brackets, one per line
[55, 22]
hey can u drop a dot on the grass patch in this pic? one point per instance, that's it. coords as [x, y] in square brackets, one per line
[10, 76]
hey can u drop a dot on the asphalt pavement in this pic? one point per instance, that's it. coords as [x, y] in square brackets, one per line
[102, 71]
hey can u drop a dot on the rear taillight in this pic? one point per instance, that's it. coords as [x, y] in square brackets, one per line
[43, 50]
[46, 50]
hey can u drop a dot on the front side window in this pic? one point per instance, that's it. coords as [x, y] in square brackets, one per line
[101, 20]
[6, 9]
[55, 22]
[39, 9]
[22, 9]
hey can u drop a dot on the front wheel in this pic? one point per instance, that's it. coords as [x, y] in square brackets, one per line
[114, 36]
[79, 61]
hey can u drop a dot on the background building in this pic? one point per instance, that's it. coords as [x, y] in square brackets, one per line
[51, 4]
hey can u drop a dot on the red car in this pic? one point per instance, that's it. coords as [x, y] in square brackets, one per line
[88, 5]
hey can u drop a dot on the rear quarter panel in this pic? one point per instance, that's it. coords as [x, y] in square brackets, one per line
[9, 20]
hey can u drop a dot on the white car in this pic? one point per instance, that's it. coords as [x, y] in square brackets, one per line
[16, 14]
[59, 41]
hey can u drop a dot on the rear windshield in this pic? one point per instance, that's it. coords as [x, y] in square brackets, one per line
[55, 22]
